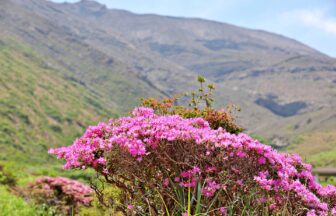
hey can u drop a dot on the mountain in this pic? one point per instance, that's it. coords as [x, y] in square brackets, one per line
[286, 90]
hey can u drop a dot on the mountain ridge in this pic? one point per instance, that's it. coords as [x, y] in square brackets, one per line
[196, 18]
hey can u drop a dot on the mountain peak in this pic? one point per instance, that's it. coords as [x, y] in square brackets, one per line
[92, 7]
[90, 3]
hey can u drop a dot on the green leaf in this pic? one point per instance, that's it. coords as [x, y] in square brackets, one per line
[199, 195]
[189, 201]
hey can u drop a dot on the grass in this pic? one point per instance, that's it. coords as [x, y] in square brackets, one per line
[317, 148]
[40, 109]
[261, 139]
[13, 205]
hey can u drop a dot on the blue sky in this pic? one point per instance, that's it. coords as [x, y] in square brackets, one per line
[312, 22]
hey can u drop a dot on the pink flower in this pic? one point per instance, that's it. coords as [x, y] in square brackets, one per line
[262, 200]
[196, 170]
[186, 174]
[333, 211]
[101, 161]
[240, 183]
[311, 213]
[210, 189]
[130, 206]
[143, 111]
[261, 160]
[166, 182]
[241, 154]
[223, 210]
[191, 183]
[210, 169]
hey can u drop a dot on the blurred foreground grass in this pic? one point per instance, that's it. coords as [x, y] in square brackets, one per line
[12, 205]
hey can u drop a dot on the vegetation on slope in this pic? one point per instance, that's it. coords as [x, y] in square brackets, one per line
[13, 205]
[318, 148]
[38, 107]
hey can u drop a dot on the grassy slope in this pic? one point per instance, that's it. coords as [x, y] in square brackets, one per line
[38, 108]
[13, 205]
[318, 148]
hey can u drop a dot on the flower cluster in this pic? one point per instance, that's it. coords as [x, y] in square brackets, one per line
[63, 194]
[150, 156]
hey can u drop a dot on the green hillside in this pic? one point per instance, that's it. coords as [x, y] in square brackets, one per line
[283, 87]
[318, 148]
[40, 109]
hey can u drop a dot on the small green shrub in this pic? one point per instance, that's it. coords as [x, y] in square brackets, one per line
[7, 177]
[56, 128]
[200, 105]
[99, 208]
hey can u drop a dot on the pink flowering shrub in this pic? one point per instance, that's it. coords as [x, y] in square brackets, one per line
[62, 194]
[167, 164]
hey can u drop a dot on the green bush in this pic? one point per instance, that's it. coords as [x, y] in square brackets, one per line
[7, 177]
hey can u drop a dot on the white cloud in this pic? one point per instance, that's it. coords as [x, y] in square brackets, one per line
[314, 18]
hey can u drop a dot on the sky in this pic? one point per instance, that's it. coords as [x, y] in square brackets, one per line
[312, 22]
